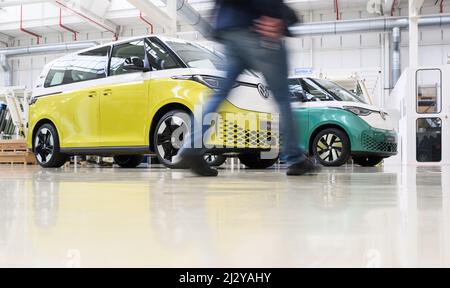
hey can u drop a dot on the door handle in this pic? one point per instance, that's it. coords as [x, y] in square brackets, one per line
[107, 92]
[92, 94]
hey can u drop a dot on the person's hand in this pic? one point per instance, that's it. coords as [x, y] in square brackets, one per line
[269, 27]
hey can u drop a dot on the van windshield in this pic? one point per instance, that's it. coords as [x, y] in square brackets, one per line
[339, 92]
[197, 56]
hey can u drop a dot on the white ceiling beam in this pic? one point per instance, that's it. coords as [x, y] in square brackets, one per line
[5, 3]
[154, 13]
[87, 16]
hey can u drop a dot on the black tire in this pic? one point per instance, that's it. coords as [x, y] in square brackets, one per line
[331, 147]
[215, 160]
[47, 149]
[128, 161]
[370, 161]
[254, 161]
[166, 150]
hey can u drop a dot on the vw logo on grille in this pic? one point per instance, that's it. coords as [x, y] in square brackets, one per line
[264, 91]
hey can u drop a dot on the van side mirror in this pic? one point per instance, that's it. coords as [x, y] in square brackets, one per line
[134, 63]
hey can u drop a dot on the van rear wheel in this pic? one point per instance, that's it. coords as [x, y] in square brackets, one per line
[215, 160]
[368, 161]
[128, 161]
[254, 161]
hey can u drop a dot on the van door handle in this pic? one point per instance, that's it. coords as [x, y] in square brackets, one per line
[92, 94]
[107, 92]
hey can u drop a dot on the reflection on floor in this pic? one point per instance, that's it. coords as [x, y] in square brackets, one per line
[352, 216]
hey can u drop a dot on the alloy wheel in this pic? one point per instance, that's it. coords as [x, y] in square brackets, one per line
[44, 145]
[211, 158]
[170, 138]
[329, 148]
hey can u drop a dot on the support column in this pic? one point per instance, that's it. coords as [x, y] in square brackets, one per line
[172, 11]
[396, 56]
[414, 15]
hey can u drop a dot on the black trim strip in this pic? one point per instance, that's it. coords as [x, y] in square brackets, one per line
[49, 94]
[378, 154]
[107, 151]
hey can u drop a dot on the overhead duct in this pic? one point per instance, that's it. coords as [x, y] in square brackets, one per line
[396, 56]
[364, 25]
[193, 17]
[371, 25]
[33, 50]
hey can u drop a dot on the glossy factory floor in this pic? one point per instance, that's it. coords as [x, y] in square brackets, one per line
[352, 216]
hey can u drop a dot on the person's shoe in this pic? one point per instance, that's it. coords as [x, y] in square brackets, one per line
[302, 168]
[194, 158]
[200, 167]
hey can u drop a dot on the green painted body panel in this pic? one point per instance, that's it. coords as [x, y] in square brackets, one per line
[311, 120]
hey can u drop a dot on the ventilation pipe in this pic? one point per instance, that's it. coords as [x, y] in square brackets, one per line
[192, 17]
[33, 50]
[396, 56]
[365, 25]
[371, 25]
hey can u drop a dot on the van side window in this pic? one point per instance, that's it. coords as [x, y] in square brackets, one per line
[89, 65]
[85, 66]
[159, 58]
[123, 52]
[296, 89]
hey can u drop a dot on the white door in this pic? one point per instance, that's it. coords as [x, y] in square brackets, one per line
[432, 111]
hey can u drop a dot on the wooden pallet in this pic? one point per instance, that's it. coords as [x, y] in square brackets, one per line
[15, 152]
[17, 158]
[13, 146]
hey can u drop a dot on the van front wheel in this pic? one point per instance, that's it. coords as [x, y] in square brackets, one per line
[46, 147]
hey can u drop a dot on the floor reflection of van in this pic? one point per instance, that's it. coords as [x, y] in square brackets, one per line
[429, 140]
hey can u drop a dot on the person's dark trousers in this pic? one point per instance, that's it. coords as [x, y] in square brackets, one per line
[246, 50]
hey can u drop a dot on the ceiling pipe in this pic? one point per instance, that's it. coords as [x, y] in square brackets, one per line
[38, 37]
[75, 33]
[365, 25]
[49, 48]
[396, 56]
[336, 7]
[141, 16]
[394, 8]
[34, 50]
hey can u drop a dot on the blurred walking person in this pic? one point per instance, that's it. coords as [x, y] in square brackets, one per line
[252, 32]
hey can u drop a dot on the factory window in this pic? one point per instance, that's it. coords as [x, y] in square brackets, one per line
[429, 140]
[429, 91]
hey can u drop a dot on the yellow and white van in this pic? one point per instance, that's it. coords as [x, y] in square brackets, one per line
[124, 99]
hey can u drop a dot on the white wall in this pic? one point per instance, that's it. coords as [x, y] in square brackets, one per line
[356, 52]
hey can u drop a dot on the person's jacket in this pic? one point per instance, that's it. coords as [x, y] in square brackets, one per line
[242, 13]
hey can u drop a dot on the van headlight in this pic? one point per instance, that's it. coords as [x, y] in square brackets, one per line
[211, 82]
[359, 111]
[32, 101]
